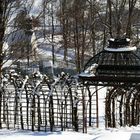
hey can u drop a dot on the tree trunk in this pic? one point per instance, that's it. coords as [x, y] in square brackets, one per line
[131, 8]
[110, 17]
[77, 47]
[65, 28]
[52, 34]
[2, 29]
[83, 42]
[93, 30]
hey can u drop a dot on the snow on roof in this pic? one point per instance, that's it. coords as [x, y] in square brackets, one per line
[124, 49]
[113, 39]
[83, 74]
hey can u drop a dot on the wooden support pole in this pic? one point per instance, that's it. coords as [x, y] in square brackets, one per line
[97, 108]
[84, 111]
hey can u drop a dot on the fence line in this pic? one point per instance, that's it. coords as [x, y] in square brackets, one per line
[42, 105]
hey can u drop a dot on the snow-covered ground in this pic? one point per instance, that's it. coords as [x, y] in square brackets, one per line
[127, 133]
[101, 133]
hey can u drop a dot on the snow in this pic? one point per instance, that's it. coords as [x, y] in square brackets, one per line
[83, 74]
[44, 50]
[92, 69]
[127, 133]
[101, 133]
[126, 49]
[33, 40]
[28, 135]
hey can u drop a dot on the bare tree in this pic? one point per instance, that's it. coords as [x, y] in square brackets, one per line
[64, 22]
[110, 17]
[132, 4]
[7, 8]
[2, 29]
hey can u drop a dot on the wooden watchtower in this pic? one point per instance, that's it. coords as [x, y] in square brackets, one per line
[116, 67]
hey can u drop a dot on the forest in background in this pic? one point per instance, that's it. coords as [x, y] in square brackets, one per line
[84, 25]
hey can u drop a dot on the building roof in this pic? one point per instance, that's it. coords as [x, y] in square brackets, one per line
[113, 65]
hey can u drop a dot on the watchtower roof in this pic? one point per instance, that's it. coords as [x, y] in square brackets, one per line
[116, 61]
[120, 45]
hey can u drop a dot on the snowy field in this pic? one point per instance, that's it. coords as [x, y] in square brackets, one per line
[127, 133]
